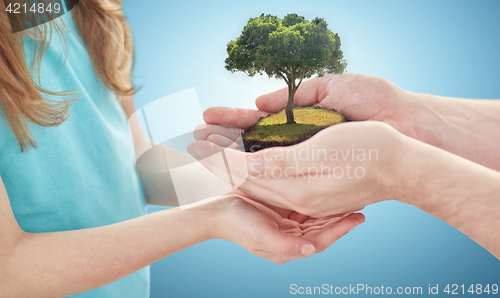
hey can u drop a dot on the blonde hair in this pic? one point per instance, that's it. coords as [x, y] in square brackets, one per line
[106, 33]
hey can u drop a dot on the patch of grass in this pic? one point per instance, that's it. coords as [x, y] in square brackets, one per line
[273, 131]
[305, 115]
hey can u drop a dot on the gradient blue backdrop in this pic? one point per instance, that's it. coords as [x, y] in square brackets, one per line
[447, 48]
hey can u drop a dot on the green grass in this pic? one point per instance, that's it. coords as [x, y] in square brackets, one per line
[274, 131]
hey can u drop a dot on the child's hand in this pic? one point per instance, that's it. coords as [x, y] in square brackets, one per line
[277, 234]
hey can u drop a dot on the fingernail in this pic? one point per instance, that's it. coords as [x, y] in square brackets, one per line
[307, 250]
[255, 166]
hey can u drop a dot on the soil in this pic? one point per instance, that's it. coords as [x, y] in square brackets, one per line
[272, 131]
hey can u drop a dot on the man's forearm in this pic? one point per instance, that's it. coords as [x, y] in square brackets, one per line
[464, 194]
[465, 127]
[63, 263]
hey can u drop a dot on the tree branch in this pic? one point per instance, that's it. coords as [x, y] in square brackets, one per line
[288, 73]
[283, 76]
[301, 74]
[298, 85]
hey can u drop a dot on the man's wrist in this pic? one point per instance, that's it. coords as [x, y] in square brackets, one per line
[443, 184]
[423, 168]
[420, 119]
[458, 191]
[465, 127]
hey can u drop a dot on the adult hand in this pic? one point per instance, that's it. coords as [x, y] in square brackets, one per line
[340, 169]
[277, 234]
[359, 97]
[465, 127]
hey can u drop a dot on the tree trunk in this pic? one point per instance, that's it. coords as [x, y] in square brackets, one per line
[289, 107]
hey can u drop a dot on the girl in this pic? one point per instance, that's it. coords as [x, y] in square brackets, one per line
[72, 205]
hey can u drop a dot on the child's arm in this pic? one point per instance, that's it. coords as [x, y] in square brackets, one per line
[57, 264]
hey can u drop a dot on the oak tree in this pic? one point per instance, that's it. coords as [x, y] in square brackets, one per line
[291, 49]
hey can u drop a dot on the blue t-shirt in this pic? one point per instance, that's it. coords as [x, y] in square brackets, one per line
[82, 173]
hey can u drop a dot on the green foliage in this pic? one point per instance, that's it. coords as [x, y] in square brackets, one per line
[290, 49]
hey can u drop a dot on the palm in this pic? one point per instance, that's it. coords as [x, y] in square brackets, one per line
[255, 222]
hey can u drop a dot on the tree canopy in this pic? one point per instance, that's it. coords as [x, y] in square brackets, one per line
[288, 48]
[291, 49]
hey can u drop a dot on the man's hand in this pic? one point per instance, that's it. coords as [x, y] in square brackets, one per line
[359, 97]
[465, 127]
[340, 169]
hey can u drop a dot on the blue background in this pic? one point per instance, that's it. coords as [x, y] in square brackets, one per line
[447, 48]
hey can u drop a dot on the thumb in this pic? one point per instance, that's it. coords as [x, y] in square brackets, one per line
[293, 247]
[308, 94]
[297, 247]
[272, 102]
